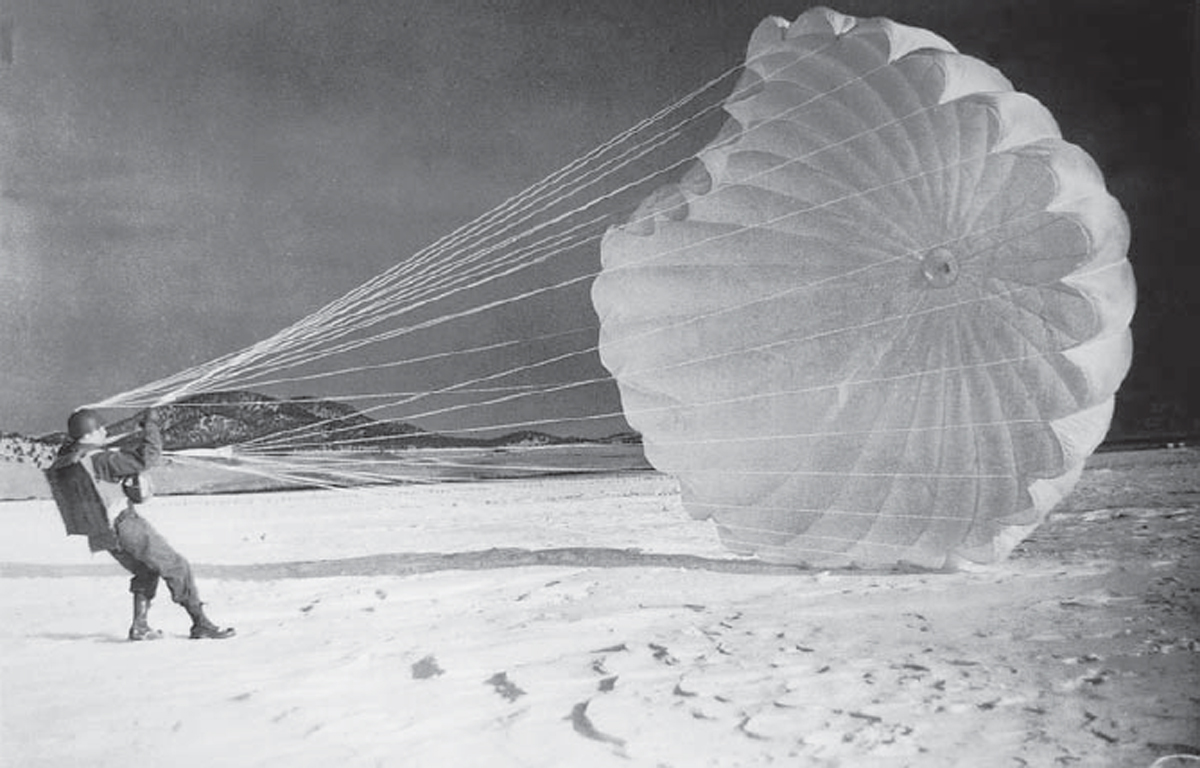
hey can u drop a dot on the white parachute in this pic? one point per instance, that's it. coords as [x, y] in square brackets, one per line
[884, 318]
[880, 319]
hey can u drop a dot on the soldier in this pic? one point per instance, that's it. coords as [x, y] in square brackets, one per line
[90, 479]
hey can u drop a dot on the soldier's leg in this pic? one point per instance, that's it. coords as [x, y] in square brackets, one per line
[147, 546]
[145, 578]
[150, 547]
[143, 585]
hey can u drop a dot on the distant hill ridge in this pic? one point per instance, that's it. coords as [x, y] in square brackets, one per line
[214, 419]
[222, 418]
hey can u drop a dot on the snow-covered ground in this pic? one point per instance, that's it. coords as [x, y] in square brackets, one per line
[588, 621]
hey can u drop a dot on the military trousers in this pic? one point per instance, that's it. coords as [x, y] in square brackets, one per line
[145, 553]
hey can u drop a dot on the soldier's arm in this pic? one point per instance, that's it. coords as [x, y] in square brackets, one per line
[112, 465]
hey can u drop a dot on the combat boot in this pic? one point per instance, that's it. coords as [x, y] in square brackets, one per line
[140, 629]
[203, 629]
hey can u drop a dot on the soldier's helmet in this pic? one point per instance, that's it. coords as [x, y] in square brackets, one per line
[83, 422]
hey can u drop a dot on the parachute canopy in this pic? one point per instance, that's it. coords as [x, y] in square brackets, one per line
[883, 318]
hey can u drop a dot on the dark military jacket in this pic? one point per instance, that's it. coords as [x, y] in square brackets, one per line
[85, 482]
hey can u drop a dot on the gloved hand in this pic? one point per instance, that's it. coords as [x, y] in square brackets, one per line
[149, 416]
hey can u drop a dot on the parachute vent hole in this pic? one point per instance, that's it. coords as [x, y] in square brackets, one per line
[940, 268]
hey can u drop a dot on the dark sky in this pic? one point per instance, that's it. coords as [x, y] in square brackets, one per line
[181, 179]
